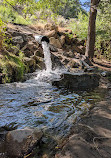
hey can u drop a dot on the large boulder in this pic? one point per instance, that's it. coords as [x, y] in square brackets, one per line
[55, 42]
[51, 34]
[21, 141]
[78, 81]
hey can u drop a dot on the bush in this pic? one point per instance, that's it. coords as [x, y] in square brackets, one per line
[13, 67]
[80, 26]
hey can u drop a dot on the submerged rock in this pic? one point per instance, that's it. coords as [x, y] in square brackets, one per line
[21, 141]
[78, 81]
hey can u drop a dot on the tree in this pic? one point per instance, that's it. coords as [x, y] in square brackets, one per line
[70, 8]
[91, 29]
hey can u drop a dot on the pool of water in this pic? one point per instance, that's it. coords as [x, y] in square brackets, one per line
[36, 103]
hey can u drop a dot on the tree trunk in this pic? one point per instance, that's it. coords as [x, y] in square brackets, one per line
[91, 29]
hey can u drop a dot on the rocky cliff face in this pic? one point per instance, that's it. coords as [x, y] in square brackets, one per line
[64, 46]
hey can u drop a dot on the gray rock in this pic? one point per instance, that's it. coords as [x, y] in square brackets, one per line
[17, 40]
[78, 81]
[53, 48]
[21, 141]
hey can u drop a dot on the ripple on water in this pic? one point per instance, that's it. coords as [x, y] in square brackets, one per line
[39, 104]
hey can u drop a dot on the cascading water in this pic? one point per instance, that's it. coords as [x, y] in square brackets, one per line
[47, 56]
[48, 74]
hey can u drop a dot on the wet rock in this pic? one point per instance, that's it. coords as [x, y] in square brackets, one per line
[39, 62]
[30, 62]
[55, 42]
[39, 53]
[2, 141]
[56, 61]
[21, 141]
[2, 76]
[52, 48]
[78, 81]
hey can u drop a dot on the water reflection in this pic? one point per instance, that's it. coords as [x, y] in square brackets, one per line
[39, 104]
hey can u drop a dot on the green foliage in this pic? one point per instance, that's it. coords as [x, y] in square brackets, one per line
[80, 26]
[8, 14]
[70, 8]
[13, 67]
[103, 27]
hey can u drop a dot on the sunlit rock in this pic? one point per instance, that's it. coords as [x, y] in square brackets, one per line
[21, 141]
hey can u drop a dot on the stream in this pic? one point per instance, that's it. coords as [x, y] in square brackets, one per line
[36, 103]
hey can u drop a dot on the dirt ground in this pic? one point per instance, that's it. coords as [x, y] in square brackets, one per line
[91, 136]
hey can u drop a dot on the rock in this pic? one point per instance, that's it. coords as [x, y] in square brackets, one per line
[17, 40]
[63, 31]
[30, 62]
[78, 81]
[2, 141]
[39, 62]
[2, 76]
[68, 40]
[51, 34]
[16, 49]
[21, 141]
[24, 48]
[51, 27]
[39, 53]
[52, 48]
[56, 61]
[69, 54]
[81, 42]
[55, 42]
[62, 40]
[31, 46]
[73, 64]
[28, 52]
[80, 50]
[65, 61]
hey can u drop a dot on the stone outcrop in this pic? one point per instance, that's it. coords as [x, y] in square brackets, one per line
[21, 141]
[78, 81]
[55, 42]
[64, 46]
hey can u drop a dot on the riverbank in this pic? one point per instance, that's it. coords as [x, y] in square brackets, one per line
[91, 136]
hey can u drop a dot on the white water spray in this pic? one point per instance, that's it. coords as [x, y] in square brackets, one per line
[47, 56]
[48, 74]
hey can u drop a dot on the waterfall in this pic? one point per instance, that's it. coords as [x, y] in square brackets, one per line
[48, 74]
[47, 56]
